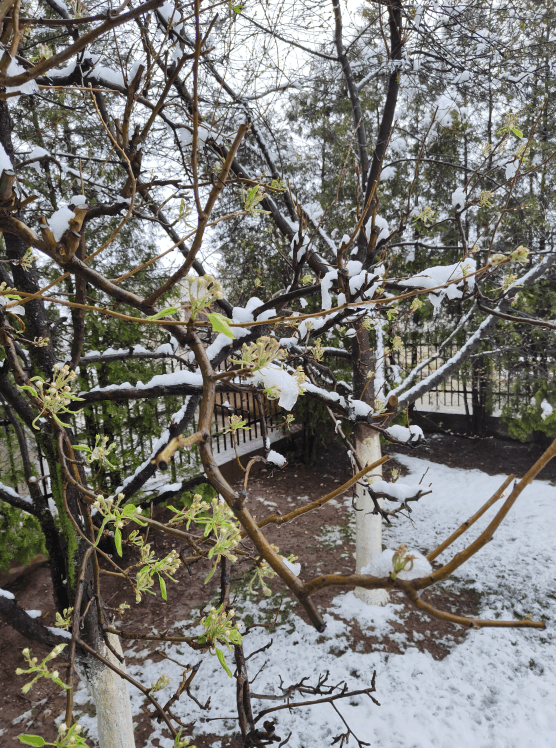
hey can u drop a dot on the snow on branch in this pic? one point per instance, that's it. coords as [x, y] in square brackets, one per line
[397, 491]
[166, 350]
[178, 423]
[455, 278]
[413, 373]
[184, 382]
[12, 498]
[26, 625]
[474, 341]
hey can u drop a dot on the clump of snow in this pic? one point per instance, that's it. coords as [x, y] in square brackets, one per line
[274, 376]
[59, 632]
[382, 566]
[302, 249]
[185, 136]
[546, 410]
[325, 286]
[276, 458]
[194, 379]
[241, 314]
[458, 198]
[112, 77]
[398, 490]
[363, 278]
[59, 221]
[380, 223]
[344, 241]
[354, 267]
[402, 434]
[65, 71]
[333, 397]
[388, 173]
[6, 593]
[441, 275]
[78, 200]
[14, 68]
[176, 418]
[294, 568]
[34, 613]
[462, 77]
[511, 169]
[222, 341]
[165, 348]
[268, 314]
[37, 153]
[361, 409]
[169, 488]
[445, 107]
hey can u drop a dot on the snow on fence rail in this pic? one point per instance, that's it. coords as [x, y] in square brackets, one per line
[130, 425]
[495, 379]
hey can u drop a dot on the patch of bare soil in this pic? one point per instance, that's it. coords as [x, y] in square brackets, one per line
[491, 455]
[324, 539]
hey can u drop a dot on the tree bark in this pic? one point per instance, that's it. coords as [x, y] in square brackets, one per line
[368, 450]
[369, 526]
[110, 695]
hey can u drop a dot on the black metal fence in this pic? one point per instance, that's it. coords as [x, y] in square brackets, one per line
[499, 379]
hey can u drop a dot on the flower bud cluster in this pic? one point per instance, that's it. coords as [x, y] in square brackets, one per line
[41, 670]
[220, 627]
[401, 561]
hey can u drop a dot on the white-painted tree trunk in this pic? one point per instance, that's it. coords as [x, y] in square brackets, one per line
[369, 526]
[111, 697]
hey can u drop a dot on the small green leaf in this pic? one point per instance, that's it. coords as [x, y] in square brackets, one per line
[33, 740]
[118, 540]
[222, 661]
[164, 313]
[82, 448]
[28, 388]
[162, 588]
[61, 683]
[129, 510]
[517, 132]
[220, 324]
[105, 521]
[209, 575]
[234, 636]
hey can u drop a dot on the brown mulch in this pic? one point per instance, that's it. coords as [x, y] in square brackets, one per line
[269, 491]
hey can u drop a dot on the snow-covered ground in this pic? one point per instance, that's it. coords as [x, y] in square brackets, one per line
[495, 690]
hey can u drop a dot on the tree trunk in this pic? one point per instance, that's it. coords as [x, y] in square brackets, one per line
[111, 698]
[367, 446]
[369, 526]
